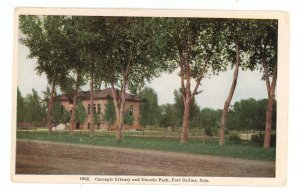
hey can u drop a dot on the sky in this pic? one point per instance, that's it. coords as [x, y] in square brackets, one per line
[215, 89]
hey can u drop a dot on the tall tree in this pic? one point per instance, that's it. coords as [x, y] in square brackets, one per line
[75, 50]
[43, 37]
[236, 33]
[133, 57]
[194, 47]
[93, 52]
[264, 57]
[149, 110]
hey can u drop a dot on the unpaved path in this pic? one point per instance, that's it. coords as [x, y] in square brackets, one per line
[39, 157]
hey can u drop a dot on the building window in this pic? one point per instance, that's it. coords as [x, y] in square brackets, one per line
[95, 111]
[131, 110]
[89, 109]
[99, 108]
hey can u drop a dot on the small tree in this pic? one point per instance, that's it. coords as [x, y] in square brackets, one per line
[65, 117]
[168, 116]
[57, 113]
[81, 114]
[210, 120]
[21, 112]
[109, 114]
[36, 111]
[128, 118]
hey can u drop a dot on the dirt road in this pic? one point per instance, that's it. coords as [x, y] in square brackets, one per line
[37, 157]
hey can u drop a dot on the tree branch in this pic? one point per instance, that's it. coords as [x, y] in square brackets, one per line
[266, 75]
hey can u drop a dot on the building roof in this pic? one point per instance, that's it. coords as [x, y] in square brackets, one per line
[101, 94]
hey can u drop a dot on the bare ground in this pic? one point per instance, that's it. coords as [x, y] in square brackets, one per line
[38, 157]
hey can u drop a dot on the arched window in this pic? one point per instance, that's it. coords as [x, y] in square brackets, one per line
[99, 108]
[89, 109]
[131, 110]
[94, 109]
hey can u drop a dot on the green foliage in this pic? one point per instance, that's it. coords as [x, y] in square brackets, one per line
[194, 110]
[57, 112]
[21, 107]
[250, 114]
[168, 115]
[109, 114]
[133, 53]
[128, 118]
[96, 118]
[65, 116]
[209, 120]
[149, 109]
[36, 110]
[209, 132]
[44, 36]
[264, 46]
[234, 137]
[258, 139]
[81, 114]
[196, 39]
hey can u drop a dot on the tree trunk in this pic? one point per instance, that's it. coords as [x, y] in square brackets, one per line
[269, 113]
[121, 119]
[50, 106]
[92, 104]
[267, 139]
[230, 95]
[185, 123]
[116, 99]
[72, 120]
[187, 98]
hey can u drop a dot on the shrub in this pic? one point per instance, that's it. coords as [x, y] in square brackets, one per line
[209, 132]
[259, 139]
[235, 138]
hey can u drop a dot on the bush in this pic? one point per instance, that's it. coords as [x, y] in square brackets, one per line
[235, 138]
[259, 139]
[209, 132]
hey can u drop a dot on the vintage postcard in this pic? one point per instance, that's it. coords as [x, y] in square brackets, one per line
[140, 96]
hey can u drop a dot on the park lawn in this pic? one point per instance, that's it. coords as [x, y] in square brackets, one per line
[245, 150]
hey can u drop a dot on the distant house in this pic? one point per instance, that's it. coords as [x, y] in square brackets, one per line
[101, 97]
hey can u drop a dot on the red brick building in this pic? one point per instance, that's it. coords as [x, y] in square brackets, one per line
[101, 97]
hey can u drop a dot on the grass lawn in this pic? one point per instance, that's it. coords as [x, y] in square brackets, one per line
[244, 150]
